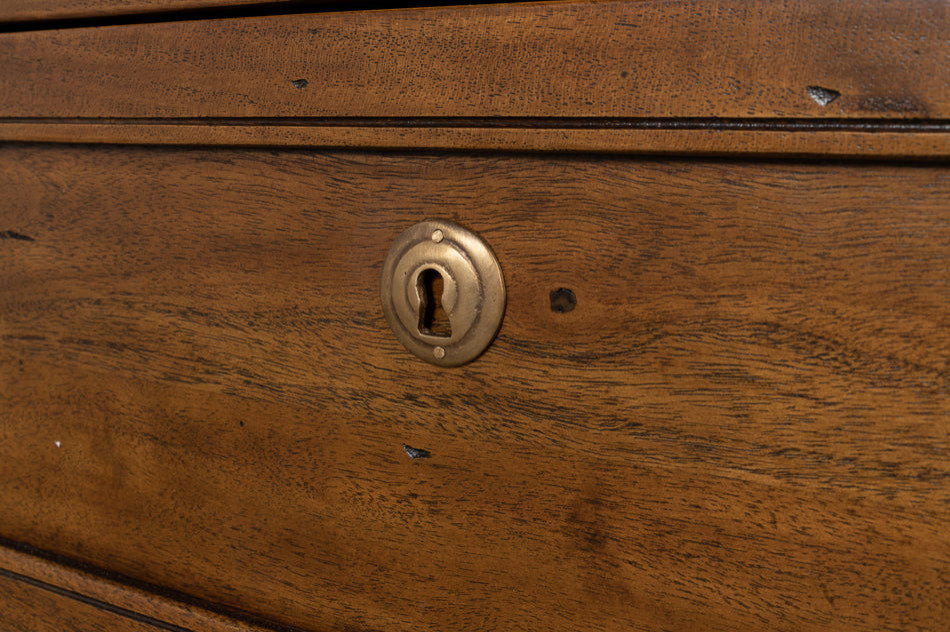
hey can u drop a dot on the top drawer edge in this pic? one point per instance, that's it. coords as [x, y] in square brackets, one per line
[12, 11]
[650, 59]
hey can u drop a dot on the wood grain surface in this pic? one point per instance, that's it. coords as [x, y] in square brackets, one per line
[929, 142]
[651, 58]
[742, 424]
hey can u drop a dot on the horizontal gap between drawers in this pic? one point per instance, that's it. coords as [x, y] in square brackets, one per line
[97, 587]
[849, 139]
[911, 126]
[222, 11]
[90, 601]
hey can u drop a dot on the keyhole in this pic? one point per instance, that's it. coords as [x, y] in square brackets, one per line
[433, 321]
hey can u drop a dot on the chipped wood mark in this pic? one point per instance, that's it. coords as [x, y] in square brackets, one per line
[12, 234]
[416, 453]
[822, 96]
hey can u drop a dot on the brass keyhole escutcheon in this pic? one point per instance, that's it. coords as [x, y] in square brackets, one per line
[443, 292]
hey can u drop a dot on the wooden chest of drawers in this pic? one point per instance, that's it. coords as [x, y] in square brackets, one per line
[718, 399]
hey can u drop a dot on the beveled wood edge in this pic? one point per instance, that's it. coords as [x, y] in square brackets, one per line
[708, 142]
[32, 15]
[113, 596]
[30, 11]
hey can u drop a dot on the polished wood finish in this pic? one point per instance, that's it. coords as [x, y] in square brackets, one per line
[741, 425]
[719, 399]
[651, 58]
[932, 142]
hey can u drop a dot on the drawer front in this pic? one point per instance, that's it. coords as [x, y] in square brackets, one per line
[742, 422]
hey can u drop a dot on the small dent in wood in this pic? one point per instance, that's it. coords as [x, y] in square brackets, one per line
[822, 96]
[12, 234]
[563, 300]
[416, 453]
[300, 84]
